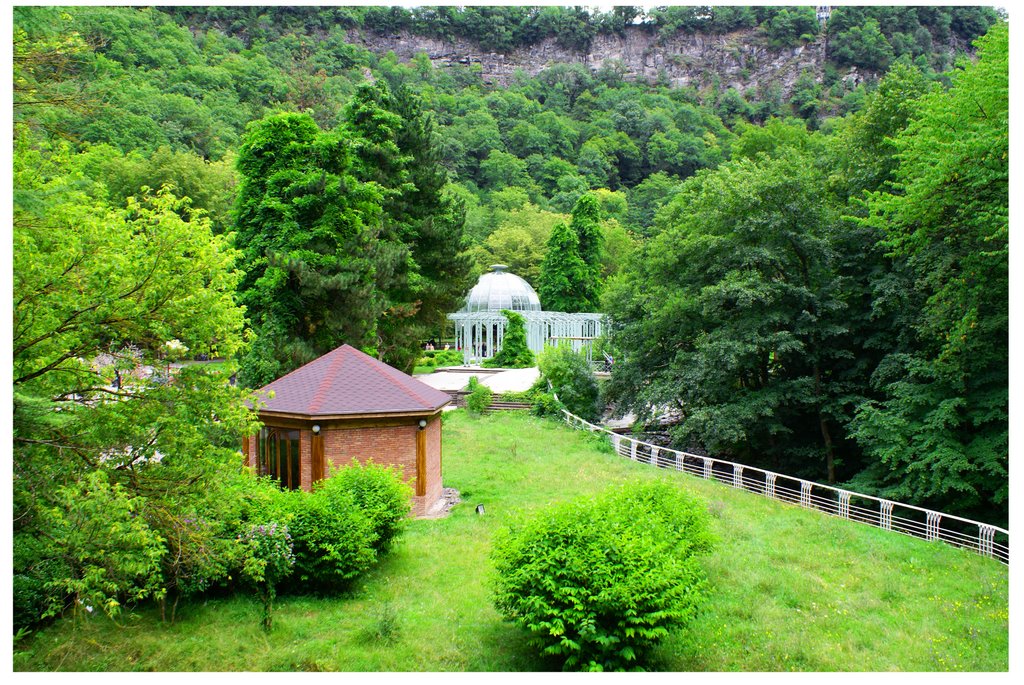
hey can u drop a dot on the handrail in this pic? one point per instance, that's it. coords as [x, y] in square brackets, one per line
[982, 538]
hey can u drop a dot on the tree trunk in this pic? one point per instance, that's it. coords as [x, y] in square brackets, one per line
[830, 455]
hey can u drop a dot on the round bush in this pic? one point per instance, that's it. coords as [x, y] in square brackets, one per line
[598, 582]
[572, 380]
[379, 492]
[479, 397]
[333, 538]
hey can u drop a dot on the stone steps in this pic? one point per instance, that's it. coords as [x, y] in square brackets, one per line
[499, 405]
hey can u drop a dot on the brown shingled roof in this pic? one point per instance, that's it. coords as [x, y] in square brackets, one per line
[346, 381]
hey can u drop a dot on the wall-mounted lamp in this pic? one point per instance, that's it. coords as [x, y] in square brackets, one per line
[316, 429]
[423, 424]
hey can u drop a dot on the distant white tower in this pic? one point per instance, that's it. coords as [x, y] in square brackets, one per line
[824, 11]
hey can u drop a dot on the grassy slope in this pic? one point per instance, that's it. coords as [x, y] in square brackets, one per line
[793, 589]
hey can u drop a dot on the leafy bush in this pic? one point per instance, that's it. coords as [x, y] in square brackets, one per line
[109, 553]
[269, 559]
[202, 549]
[438, 358]
[529, 395]
[379, 492]
[345, 523]
[598, 582]
[571, 380]
[333, 538]
[547, 404]
[479, 397]
[35, 572]
[514, 352]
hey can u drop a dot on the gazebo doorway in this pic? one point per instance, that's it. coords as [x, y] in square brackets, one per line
[279, 456]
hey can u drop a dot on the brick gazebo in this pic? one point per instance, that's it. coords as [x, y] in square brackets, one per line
[347, 405]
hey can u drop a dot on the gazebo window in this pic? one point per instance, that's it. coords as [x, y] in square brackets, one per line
[279, 456]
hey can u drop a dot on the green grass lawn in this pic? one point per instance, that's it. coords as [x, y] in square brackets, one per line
[792, 589]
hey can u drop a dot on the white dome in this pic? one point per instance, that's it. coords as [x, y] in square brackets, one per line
[499, 290]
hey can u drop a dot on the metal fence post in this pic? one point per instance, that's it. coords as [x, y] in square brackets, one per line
[986, 539]
[844, 505]
[769, 485]
[737, 476]
[707, 468]
[932, 525]
[805, 494]
[885, 515]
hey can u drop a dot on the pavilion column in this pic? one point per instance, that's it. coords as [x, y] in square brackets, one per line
[421, 462]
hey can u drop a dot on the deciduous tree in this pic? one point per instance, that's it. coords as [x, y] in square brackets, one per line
[940, 433]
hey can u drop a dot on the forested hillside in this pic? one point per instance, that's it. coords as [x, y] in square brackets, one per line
[815, 283]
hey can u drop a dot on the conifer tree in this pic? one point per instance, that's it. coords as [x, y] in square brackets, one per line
[586, 218]
[425, 268]
[515, 351]
[563, 273]
[305, 228]
[586, 224]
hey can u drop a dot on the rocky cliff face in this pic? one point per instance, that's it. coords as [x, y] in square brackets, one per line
[741, 59]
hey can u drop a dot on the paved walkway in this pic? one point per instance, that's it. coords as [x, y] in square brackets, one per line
[512, 380]
[498, 380]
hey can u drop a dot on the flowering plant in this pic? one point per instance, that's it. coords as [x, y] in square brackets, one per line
[269, 559]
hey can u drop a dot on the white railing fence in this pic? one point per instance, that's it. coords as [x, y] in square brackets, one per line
[987, 540]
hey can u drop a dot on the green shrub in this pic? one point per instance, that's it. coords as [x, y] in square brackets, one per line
[269, 558]
[571, 379]
[35, 573]
[479, 397]
[438, 358]
[110, 554]
[530, 395]
[448, 358]
[547, 404]
[333, 538]
[514, 352]
[598, 582]
[379, 492]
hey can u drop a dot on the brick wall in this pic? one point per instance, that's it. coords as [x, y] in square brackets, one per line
[390, 446]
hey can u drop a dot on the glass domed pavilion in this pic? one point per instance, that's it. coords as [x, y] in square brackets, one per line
[480, 325]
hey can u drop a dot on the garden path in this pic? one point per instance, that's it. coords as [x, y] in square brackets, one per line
[498, 380]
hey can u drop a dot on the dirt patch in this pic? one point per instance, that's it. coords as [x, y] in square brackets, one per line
[449, 498]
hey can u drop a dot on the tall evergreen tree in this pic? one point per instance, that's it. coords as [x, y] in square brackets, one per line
[586, 224]
[563, 274]
[515, 350]
[305, 226]
[425, 268]
[570, 279]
